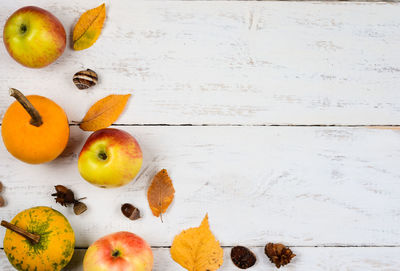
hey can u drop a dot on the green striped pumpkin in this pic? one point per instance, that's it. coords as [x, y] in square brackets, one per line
[56, 245]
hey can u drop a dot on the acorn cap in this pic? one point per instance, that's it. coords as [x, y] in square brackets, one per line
[79, 208]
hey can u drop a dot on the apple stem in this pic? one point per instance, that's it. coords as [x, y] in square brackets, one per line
[23, 28]
[36, 119]
[116, 253]
[102, 155]
[34, 238]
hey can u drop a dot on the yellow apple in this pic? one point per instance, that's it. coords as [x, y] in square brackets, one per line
[110, 158]
[119, 251]
[34, 37]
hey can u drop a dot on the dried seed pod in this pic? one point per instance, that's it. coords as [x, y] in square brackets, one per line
[1, 187]
[130, 211]
[279, 254]
[63, 195]
[85, 79]
[79, 207]
[242, 257]
[2, 201]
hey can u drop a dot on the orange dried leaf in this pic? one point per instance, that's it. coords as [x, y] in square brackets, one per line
[161, 193]
[88, 28]
[104, 112]
[196, 249]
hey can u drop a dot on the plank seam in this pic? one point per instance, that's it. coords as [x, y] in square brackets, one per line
[372, 126]
[388, 126]
[333, 1]
[294, 246]
[323, 1]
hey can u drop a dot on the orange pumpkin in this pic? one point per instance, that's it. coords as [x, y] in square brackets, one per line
[34, 129]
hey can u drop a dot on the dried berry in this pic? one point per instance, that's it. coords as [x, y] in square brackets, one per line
[85, 79]
[130, 211]
[2, 202]
[63, 195]
[79, 207]
[279, 254]
[242, 257]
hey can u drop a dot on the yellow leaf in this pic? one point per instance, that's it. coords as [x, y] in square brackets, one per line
[196, 249]
[161, 193]
[88, 28]
[104, 112]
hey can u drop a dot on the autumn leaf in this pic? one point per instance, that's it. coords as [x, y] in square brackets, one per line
[104, 112]
[196, 249]
[161, 193]
[88, 28]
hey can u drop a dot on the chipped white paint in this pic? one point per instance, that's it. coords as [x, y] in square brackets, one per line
[235, 63]
[229, 62]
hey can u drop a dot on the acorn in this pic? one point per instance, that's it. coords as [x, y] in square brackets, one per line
[130, 211]
[85, 79]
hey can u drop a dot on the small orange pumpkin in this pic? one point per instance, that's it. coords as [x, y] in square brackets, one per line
[35, 129]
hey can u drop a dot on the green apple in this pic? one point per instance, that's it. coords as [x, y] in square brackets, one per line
[110, 158]
[34, 37]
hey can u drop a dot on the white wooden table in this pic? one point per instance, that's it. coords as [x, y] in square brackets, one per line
[279, 119]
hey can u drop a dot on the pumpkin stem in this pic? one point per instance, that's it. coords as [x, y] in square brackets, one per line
[34, 238]
[36, 119]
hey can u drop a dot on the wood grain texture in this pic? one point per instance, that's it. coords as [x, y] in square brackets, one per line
[228, 62]
[299, 185]
[308, 258]
[235, 66]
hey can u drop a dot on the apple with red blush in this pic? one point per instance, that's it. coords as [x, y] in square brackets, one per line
[110, 158]
[34, 37]
[120, 251]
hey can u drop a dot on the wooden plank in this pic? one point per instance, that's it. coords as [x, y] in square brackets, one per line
[228, 62]
[299, 185]
[308, 258]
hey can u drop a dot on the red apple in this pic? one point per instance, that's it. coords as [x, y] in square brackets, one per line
[34, 37]
[110, 158]
[121, 251]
